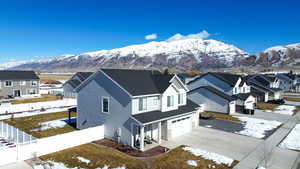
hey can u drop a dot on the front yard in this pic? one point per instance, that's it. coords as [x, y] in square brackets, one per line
[91, 156]
[43, 125]
[220, 116]
[43, 98]
[266, 106]
[292, 99]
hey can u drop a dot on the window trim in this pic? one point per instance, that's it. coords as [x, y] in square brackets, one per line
[144, 107]
[171, 101]
[5, 85]
[23, 83]
[180, 95]
[102, 107]
[34, 81]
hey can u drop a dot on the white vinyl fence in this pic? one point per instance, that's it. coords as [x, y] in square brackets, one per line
[14, 135]
[50, 145]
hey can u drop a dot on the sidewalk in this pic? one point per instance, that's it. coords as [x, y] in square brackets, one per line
[279, 158]
[17, 165]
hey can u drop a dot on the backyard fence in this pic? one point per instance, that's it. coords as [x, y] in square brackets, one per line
[14, 135]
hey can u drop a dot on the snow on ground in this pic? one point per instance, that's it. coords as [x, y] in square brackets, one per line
[217, 158]
[192, 163]
[284, 109]
[292, 141]
[52, 164]
[26, 114]
[107, 167]
[261, 168]
[59, 123]
[257, 127]
[84, 160]
[37, 106]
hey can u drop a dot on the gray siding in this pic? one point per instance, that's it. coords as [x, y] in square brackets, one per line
[69, 91]
[211, 101]
[210, 80]
[5, 91]
[90, 108]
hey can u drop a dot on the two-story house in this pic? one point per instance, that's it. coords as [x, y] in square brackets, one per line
[18, 84]
[70, 85]
[136, 107]
[235, 93]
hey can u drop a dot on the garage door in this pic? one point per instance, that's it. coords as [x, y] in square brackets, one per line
[181, 126]
[239, 108]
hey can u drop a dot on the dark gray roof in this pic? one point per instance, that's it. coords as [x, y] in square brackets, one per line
[228, 78]
[215, 91]
[276, 89]
[18, 75]
[140, 82]
[242, 96]
[158, 115]
[73, 82]
[84, 75]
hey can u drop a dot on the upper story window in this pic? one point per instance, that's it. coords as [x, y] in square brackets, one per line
[235, 90]
[155, 101]
[105, 105]
[8, 83]
[180, 98]
[142, 104]
[244, 90]
[34, 83]
[170, 101]
[23, 83]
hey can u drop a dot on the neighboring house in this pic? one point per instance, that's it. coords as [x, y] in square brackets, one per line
[186, 77]
[231, 85]
[245, 103]
[212, 99]
[283, 82]
[136, 106]
[18, 84]
[70, 85]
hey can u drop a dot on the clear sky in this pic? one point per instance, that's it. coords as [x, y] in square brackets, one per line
[38, 28]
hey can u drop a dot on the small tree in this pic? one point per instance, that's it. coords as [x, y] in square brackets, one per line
[166, 71]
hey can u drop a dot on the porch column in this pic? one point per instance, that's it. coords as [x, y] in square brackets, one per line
[159, 132]
[142, 138]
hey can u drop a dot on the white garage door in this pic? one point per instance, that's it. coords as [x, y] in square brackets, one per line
[181, 126]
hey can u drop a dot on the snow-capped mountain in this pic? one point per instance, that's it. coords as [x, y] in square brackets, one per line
[279, 56]
[178, 55]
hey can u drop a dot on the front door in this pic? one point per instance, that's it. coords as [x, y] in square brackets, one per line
[17, 93]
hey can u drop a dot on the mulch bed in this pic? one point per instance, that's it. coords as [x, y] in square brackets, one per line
[131, 151]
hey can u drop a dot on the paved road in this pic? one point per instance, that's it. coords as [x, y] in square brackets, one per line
[228, 144]
[279, 158]
[292, 103]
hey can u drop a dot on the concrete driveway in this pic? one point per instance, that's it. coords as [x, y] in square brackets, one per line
[228, 144]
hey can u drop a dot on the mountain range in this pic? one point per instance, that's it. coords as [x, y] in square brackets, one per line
[179, 55]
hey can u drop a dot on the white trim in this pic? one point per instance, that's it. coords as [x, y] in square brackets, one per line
[184, 86]
[31, 83]
[170, 118]
[22, 82]
[147, 95]
[104, 97]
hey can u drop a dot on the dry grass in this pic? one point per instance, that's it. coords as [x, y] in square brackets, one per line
[101, 156]
[44, 77]
[266, 106]
[220, 116]
[43, 98]
[177, 159]
[292, 99]
[296, 110]
[27, 124]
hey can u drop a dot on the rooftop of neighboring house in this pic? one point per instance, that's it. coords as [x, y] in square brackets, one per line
[243, 96]
[229, 78]
[18, 75]
[82, 76]
[215, 91]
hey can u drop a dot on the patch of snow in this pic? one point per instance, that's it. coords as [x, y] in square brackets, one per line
[52, 164]
[107, 167]
[26, 114]
[284, 109]
[217, 158]
[292, 141]
[192, 163]
[208, 126]
[257, 127]
[84, 160]
[60, 123]
[261, 168]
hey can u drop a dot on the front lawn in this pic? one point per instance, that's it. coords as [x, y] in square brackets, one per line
[292, 99]
[90, 156]
[43, 98]
[30, 123]
[220, 116]
[266, 106]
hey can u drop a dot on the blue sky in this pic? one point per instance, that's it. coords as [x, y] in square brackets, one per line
[39, 28]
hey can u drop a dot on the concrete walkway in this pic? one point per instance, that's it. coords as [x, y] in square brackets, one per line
[268, 152]
[17, 165]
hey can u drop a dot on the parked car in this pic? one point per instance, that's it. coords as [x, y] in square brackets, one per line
[280, 101]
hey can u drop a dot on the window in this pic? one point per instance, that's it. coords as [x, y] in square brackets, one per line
[105, 105]
[235, 90]
[22, 83]
[31, 91]
[34, 83]
[180, 98]
[155, 101]
[170, 101]
[142, 104]
[8, 83]
[244, 90]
